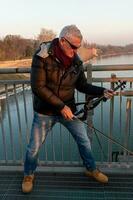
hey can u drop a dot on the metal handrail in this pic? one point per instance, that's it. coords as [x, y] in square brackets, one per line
[115, 67]
[15, 84]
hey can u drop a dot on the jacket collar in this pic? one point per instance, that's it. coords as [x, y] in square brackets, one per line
[76, 61]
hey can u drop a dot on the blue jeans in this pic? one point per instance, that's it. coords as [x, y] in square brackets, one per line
[41, 125]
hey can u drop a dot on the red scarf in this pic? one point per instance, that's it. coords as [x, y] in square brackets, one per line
[60, 55]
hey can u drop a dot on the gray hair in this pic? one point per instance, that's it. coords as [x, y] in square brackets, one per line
[69, 31]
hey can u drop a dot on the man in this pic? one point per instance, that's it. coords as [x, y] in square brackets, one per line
[56, 72]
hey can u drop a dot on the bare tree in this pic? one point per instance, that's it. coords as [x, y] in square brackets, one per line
[46, 35]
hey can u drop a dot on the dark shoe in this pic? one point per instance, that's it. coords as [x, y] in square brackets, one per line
[27, 184]
[97, 175]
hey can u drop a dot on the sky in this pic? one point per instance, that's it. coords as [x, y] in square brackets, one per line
[100, 21]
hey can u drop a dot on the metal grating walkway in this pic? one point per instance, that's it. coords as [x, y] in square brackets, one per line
[62, 186]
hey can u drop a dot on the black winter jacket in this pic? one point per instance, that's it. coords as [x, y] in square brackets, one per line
[53, 86]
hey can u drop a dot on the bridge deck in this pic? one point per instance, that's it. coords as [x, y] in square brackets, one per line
[71, 186]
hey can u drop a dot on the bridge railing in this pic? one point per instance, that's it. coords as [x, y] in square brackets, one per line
[113, 118]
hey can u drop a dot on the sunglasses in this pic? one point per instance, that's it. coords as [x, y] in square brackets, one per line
[71, 45]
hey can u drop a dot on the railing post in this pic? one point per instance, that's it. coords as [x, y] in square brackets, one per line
[127, 125]
[90, 112]
[113, 76]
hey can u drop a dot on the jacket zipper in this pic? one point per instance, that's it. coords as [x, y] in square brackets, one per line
[61, 82]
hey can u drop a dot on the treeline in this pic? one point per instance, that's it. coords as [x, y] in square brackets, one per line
[108, 50]
[15, 47]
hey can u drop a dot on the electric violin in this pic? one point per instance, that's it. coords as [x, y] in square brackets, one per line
[92, 103]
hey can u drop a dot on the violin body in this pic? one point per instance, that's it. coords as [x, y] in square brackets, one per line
[91, 103]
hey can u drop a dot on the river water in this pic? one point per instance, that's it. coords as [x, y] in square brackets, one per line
[50, 150]
[124, 59]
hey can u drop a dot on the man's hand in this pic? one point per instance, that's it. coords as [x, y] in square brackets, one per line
[109, 93]
[67, 113]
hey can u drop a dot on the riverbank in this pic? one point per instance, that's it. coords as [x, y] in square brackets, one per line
[115, 55]
[16, 63]
[83, 54]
